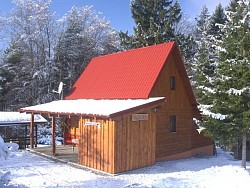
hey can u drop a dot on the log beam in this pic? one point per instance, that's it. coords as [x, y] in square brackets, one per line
[32, 130]
[53, 123]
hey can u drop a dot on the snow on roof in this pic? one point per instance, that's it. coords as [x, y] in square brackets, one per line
[7, 118]
[90, 106]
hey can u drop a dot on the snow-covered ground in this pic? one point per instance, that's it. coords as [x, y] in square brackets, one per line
[24, 169]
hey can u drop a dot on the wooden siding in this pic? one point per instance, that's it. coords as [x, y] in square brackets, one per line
[96, 145]
[135, 142]
[200, 140]
[168, 143]
[119, 144]
[176, 99]
[179, 105]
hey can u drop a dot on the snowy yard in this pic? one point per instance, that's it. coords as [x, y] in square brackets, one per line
[24, 169]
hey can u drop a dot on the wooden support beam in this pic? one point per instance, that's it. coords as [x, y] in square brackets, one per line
[32, 130]
[36, 136]
[81, 127]
[53, 123]
[26, 131]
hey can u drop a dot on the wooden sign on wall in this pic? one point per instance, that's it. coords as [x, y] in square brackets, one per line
[93, 124]
[139, 117]
[75, 141]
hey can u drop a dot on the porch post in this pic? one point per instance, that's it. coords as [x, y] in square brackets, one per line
[36, 136]
[53, 122]
[32, 130]
[26, 130]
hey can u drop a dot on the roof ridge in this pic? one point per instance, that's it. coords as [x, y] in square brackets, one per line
[134, 49]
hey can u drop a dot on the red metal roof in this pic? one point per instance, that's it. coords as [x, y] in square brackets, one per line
[125, 75]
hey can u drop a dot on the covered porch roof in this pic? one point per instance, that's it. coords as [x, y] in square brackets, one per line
[12, 121]
[86, 107]
[16, 118]
[91, 107]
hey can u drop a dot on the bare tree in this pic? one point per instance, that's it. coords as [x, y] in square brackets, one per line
[32, 32]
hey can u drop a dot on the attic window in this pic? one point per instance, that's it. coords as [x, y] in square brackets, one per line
[172, 123]
[172, 82]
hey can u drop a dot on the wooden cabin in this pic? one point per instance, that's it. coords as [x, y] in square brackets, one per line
[154, 71]
[145, 133]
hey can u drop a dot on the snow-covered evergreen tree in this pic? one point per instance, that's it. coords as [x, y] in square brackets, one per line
[10, 77]
[203, 65]
[85, 35]
[202, 22]
[5, 78]
[232, 91]
[155, 21]
[217, 18]
[208, 37]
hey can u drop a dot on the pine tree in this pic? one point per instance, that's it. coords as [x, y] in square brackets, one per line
[232, 96]
[15, 92]
[203, 66]
[5, 79]
[217, 18]
[70, 55]
[208, 37]
[202, 22]
[155, 21]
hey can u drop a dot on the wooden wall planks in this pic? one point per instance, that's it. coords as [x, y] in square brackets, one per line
[118, 145]
[135, 142]
[177, 104]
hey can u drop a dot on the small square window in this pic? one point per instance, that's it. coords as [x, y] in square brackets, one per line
[172, 82]
[172, 124]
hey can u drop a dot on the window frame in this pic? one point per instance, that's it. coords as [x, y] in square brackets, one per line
[172, 124]
[172, 83]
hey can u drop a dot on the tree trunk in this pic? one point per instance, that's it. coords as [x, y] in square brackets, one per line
[244, 150]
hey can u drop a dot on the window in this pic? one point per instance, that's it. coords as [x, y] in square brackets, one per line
[172, 124]
[172, 82]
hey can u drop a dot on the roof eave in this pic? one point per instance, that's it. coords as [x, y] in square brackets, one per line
[130, 110]
[62, 113]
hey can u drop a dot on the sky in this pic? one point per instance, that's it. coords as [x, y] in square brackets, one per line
[118, 11]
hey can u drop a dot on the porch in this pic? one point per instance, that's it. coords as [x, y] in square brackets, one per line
[64, 153]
